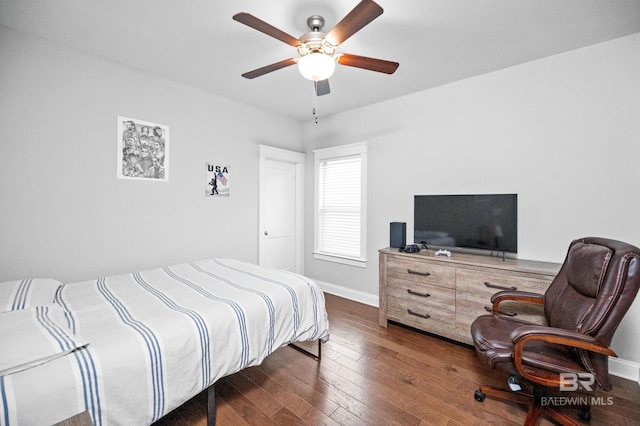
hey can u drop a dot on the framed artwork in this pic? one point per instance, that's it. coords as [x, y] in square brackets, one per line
[217, 180]
[143, 150]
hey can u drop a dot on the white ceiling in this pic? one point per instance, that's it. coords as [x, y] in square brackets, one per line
[435, 41]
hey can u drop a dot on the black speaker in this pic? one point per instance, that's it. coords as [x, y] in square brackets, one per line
[397, 234]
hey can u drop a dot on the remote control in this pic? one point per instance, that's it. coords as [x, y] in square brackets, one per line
[442, 251]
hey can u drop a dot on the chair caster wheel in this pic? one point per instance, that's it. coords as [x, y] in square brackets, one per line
[479, 396]
[584, 414]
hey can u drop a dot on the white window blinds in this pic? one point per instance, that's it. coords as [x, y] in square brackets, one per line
[339, 202]
[339, 206]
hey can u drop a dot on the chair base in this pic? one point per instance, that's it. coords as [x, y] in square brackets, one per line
[534, 402]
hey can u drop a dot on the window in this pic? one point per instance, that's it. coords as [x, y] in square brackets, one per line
[340, 219]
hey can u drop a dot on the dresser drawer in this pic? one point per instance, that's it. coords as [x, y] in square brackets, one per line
[420, 315]
[475, 288]
[432, 296]
[422, 272]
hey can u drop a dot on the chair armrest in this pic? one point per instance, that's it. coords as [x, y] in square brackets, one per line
[559, 336]
[515, 295]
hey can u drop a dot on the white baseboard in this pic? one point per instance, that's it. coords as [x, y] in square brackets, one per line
[347, 293]
[618, 367]
[626, 369]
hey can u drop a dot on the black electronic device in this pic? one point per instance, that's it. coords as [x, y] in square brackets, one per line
[486, 222]
[411, 248]
[397, 234]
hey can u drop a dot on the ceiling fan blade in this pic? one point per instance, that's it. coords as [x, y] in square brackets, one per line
[322, 87]
[269, 68]
[268, 29]
[361, 15]
[371, 64]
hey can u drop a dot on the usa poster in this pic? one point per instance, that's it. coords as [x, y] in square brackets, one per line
[217, 178]
[143, 150]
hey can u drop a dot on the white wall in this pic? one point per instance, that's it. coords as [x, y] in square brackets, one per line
[65, 215]
[563, 132]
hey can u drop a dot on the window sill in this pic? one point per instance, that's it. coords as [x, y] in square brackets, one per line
[352, 261]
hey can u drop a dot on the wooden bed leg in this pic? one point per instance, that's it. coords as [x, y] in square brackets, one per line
[211, 405]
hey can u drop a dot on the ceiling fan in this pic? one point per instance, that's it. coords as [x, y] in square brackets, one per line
[317, 50]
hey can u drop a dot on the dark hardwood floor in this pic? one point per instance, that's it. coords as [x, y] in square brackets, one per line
[371, 375]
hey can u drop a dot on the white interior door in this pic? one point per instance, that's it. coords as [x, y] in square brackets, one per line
[280, 239]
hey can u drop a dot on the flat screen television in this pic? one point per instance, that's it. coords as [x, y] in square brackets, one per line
[475, 221]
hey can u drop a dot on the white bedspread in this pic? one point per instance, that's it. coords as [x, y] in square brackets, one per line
[159, 337]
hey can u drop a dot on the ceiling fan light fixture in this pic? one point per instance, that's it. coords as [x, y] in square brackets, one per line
[316, 66]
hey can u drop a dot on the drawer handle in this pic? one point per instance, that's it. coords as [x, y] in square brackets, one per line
[499, 287]
[509, 314]
[415, 293]
[424, 274]
[425, 316]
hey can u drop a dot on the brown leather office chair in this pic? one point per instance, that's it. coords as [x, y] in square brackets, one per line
[583, 306]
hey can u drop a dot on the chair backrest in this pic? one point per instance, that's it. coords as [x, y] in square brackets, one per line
[595, 287]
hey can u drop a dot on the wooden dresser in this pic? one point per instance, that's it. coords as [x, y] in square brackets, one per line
[443, 295]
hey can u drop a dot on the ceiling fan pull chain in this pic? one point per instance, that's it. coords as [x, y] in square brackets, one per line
[315, 101]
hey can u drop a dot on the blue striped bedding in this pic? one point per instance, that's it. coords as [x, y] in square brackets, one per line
[159, 337]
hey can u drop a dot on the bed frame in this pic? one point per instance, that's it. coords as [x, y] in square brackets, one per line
[211, 390]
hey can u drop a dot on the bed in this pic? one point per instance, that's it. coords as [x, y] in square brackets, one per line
[130, 348]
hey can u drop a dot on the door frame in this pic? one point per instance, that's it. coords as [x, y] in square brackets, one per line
[285, 156]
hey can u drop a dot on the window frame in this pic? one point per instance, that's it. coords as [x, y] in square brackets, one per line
[335, 153]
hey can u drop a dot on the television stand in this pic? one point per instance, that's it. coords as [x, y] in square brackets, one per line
[443, 295]
[498, 253]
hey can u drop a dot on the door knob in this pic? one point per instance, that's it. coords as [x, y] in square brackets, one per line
[266, 233]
